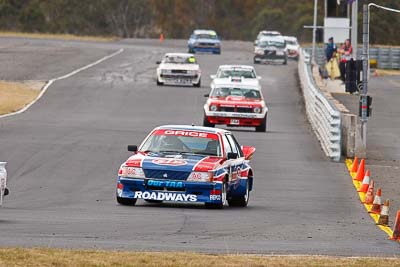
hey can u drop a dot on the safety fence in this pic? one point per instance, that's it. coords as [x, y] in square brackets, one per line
[385, 57]
[323, 116]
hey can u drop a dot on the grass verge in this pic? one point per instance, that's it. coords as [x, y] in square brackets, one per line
[59, 36]
[60, 257]
[16, 95]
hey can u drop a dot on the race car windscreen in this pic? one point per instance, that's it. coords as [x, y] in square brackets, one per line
[206, 36]
[291, 42]
[180, 59]
[183, 142]
[237, 73]
[242, 92]
[272, 43]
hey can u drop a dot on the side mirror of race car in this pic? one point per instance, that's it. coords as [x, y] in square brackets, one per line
[232, 155]
[158, 62]
[206, 95]
[213, 76]
[248, 151]
[132, 148]
[259, 77]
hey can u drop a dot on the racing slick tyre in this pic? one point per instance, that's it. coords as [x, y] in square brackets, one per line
[223, 200]
[126, 201]
[6, 191]
[159, 83]
[197, 84]
[263, 125]
[242, 200]
[285, 61]
[206, 123]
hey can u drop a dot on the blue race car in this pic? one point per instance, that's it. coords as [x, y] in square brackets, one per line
[179, 163]
[204, 41]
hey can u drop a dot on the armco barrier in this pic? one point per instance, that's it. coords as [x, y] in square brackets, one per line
[323, 116]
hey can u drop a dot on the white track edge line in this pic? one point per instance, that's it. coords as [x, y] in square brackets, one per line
[50, 82]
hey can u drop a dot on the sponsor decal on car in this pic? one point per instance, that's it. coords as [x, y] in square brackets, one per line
[186, 133]
[170, 162]
[165, 196]
[171, 184]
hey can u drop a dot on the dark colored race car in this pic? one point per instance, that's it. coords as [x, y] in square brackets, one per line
[189, 164]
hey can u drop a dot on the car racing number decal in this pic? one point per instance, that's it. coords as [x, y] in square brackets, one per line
[170, 162]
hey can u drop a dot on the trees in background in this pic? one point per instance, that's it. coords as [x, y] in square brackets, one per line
[232, 19]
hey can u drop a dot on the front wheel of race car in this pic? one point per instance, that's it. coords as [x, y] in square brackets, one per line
[126, 201]
[159, 83]
[255, 61]
[223, 200]
[263, 125]
[206, 123]
[197, 84]
[241, 201]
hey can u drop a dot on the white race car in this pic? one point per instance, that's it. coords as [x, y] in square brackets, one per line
[292, 46]
[179, 69]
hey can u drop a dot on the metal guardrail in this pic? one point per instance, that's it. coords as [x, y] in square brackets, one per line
[323, 116]
[386, 57]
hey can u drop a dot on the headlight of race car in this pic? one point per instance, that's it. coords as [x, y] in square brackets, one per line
[192, 72]
[213, 108]
[164, 71]
[217, 44]
[131, 172]
[259, 51]
[200, 177]
[257, 110]
[195, 44]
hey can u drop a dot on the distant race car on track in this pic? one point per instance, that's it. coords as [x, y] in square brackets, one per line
[189, 164]
[293, 47]
[204, 41]
[271, 49]
[236, 101]
[235, 71]
[179, 69]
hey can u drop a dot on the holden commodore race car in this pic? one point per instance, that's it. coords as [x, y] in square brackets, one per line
[235, 71]
[190, 164]
[236, 102]
[204, 41]
[179, 69]
[271, 49]
[293, 47]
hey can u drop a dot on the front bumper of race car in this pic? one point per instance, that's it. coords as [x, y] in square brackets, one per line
[271, 56]
[182, 79]
[207, 49]
[235, 118]
[177, 191]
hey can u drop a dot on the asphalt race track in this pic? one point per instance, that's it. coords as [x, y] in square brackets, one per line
[64, 153]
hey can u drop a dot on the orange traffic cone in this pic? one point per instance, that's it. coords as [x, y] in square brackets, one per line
[360, 171]
[396, 228]
[365, 183]
[369, 197]
[376, 206]
[384, 217]
[161, 37]
[354, 167]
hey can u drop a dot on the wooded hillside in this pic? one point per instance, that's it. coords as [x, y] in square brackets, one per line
[232, 19]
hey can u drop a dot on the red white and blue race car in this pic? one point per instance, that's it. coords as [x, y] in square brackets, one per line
[189, 164]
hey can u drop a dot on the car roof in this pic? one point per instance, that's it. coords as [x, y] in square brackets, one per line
[212, 32]
[270, 32]
[236, 67]
[244, 83]
[273, 38]
[178, 55]
[290, 38]
[192, 128]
